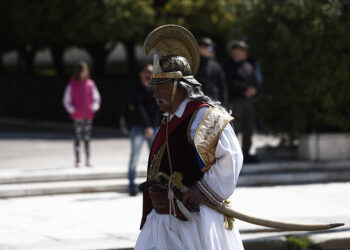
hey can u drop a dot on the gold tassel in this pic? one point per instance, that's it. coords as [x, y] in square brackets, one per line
[177, 179]
[228, 222]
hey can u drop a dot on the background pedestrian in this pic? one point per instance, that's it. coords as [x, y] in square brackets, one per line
[82, 100]
[243, 86]
[144, 119]
[210, 73]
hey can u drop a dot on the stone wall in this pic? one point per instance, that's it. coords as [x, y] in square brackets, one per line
[325, 146]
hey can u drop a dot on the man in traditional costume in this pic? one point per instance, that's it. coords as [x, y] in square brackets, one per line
[195, 158]
[195, 147]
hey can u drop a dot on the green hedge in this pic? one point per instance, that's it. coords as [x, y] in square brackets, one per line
[304, 49]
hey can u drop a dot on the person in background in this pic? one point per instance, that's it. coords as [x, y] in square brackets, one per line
[210, 73]
[144, 120]
[242, 79]
[82, 100]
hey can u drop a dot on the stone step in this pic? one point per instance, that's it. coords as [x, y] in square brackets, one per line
[66, 187]
[301, 170]
[292, 178]
[120, 184]
[333, 239]
[261, 241]
[64, 174]
[295, 166]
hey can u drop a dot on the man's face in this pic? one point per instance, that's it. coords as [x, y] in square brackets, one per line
[239, 54]
[146, 75]
[206, 51]
[162, 94]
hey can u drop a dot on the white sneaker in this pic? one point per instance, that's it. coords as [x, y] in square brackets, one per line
[88, 163]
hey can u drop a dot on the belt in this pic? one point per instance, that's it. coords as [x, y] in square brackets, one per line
[160, 203]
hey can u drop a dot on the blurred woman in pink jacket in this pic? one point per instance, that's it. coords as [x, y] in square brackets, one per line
[81, 100]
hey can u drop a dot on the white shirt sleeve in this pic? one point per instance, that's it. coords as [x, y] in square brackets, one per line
[223, 175]
[96, 99]
[67, 100]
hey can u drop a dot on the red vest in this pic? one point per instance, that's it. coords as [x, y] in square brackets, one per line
[182, 152]
[81, 93]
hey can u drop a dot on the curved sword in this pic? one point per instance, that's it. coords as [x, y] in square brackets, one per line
[225, 210]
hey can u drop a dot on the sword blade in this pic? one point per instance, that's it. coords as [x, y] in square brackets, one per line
[271, 223]
[286, 226]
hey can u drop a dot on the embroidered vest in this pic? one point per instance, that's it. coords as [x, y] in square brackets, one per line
[182, 152]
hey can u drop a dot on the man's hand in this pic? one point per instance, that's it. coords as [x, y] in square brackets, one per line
[194, 195]
[250, 92]
[149, 132]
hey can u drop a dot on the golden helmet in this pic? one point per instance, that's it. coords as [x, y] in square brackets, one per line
[177, 54]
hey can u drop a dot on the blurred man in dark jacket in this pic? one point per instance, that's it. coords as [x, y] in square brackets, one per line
[241, 76]
[210, 73]
[144, 118]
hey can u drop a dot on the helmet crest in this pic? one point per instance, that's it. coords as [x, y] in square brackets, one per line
[179, 54]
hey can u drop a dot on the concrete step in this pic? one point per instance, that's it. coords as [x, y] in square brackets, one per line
[64, 174]
[66, 187]
[261, 241]
[336, 169]
[121, 184]
[34, 182]
[291, 178]
[332, 239]
[106, 243]
[295, 166]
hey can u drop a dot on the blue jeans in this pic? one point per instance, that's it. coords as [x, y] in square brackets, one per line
[137, 137]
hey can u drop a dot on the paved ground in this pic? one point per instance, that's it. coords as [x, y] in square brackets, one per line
[52, 149]
[58, 153]
[111, 220]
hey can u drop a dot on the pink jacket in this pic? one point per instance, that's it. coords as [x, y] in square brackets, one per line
[81, 99]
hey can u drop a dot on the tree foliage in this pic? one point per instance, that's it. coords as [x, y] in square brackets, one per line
[204, 18]
[98, 25]
[94, 25]
[131, 22]
[303, 47]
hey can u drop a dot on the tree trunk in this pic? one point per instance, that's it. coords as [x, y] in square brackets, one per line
[1, 64]
[57, 56]
[26, 59]
[130, 51]
[99, 55]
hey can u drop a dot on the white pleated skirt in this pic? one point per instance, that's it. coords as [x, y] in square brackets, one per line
[205, 232]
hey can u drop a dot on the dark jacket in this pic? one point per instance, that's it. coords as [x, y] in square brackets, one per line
[240, 76]
[143, 109]
[212, 78]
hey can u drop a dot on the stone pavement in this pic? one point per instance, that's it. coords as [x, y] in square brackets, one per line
[40, 146]
[42, 164]
[110, 220]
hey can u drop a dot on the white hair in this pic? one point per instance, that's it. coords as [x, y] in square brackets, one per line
[194, 93]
